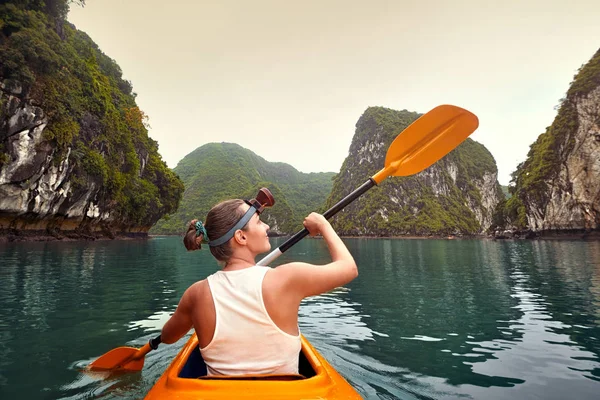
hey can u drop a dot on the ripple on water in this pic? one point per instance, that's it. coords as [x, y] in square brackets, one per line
[423, 338]
[153, 323]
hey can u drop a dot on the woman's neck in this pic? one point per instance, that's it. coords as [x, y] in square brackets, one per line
[236, 263]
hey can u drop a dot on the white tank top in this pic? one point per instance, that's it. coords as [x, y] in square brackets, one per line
[246, 340]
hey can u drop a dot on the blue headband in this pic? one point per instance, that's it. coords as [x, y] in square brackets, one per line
[241, 223]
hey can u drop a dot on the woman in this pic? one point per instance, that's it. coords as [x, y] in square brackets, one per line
[246, 316]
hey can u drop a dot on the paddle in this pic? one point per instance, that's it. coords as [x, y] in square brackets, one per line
[424, 142]
[125, 358]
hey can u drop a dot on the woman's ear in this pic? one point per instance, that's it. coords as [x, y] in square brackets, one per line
[240, 237]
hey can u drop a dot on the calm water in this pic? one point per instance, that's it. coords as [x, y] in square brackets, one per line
[425, 318]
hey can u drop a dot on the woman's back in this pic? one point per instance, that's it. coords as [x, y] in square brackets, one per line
[237, 334]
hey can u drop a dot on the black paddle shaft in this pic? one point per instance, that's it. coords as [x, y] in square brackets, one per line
[330, 213]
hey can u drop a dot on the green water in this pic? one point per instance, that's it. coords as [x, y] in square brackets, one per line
[424, 319]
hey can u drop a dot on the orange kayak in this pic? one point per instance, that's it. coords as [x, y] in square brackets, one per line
[186, 379]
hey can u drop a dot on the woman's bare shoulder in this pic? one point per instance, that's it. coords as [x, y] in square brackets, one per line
[289, 269]
[196, 291]
[309, 279]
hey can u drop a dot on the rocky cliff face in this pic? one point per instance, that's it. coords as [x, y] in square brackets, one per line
[574, 195]
[29, 182]
[558, 187]
[37, 193]
[75, 156]
[457, 195]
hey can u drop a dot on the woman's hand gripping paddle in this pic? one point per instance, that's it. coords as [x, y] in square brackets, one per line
[424, 142]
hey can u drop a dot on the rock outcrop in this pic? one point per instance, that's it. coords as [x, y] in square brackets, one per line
[574, 198]
[455, 196]
[39, 196]
[557, 189]
[75, 156]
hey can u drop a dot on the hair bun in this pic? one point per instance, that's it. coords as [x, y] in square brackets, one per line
[191, 240]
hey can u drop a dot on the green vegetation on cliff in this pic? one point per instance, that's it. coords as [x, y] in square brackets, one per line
[532, 181]
[220, 171]
[439, 201]
[92, 114]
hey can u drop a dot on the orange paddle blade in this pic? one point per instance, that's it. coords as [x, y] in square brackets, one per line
[122, 358]
[426, 140]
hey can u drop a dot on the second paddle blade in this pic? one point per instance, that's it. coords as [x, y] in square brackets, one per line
[117, 359]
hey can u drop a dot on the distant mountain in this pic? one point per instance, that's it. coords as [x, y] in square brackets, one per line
[457, 195]
[557, 188]
[220, 171]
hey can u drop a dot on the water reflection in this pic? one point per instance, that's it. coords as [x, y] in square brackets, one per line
[468, 313]
[331, 316]
[594, 257]
[424, 319]
[540, 357]
[63, 302]
[336, 327]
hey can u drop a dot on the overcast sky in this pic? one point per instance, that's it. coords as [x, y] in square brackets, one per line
[289, 79]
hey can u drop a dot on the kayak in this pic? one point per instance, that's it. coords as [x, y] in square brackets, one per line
[186, 379]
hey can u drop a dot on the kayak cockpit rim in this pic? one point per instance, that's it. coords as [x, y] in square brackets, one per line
[195, 368]
[181, 376]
